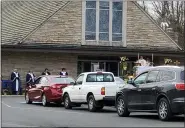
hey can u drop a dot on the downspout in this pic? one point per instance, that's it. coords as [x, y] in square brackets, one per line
[34, 30]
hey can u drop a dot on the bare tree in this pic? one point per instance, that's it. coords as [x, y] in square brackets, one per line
[171, 12]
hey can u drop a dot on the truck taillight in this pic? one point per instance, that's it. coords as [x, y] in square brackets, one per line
[180, 86]
[103, 91]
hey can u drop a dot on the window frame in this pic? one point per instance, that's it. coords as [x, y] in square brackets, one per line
[80, 81]
[156, 76]
[124, 24]
[140, 75]
[113, 79]
[161, 73]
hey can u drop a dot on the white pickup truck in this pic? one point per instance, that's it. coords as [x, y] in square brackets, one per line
[97, 89]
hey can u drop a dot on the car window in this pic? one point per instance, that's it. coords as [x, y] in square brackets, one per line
[38, 80]
[167, 75]
[119, 80]
[103, 77]
[182, 75]
[62, 80]
[141, 78]
[80, 80]
[152, 76]
[44, 81]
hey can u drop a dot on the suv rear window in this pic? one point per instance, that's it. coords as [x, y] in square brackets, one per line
[182, 75]
[103, 77]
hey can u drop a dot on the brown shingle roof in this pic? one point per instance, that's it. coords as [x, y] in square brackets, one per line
[20, 18]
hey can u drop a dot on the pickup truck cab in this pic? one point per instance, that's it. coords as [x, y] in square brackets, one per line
[97, 89]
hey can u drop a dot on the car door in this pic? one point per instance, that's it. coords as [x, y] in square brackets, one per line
[39, 88]
[149, 91]
[75, 90]
[134, 93]
[32, 91]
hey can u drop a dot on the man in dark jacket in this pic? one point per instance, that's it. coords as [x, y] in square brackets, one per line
[30, 78]
[16, 82]
[63, 72]
[46, 72]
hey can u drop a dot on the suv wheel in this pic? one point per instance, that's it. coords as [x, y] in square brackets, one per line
[163, 108]
[44, 100]
[121, 107]
[91, 103]
[67, 102]
[27, 99]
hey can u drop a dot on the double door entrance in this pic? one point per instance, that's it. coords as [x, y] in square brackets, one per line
[93, 66]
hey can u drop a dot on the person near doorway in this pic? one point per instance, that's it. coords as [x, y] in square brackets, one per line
[148, 63]
[64, 72]
[30, 78]
[16, 82]
[142, 61]
[46, 72]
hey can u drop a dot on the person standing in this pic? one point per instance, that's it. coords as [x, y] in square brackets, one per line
[30, 78]
[142, 61]
[64, 72]
[16, 82]
[46, 72]
[148, 63]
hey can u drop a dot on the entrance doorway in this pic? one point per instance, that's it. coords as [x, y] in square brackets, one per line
[93, 66]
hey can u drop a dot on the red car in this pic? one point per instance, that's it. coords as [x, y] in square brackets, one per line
[47, 89]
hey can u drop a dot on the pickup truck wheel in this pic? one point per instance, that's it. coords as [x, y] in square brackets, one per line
[121, 107]
[67, 102]
[91, 104]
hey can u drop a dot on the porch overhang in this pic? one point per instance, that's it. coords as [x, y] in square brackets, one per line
[89, 50]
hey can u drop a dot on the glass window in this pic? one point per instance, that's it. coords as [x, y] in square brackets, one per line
[152, 76]
[90, 26]
[103, 77]
[182, 75]
[167, 75]
[141, 78]
[80, 79]
[62, 80]
[44, 81]
[119, 80]
[117, 21]
[38, 80]
[104, 21]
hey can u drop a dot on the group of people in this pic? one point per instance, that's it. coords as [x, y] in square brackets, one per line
[142, 62]
[30, 78]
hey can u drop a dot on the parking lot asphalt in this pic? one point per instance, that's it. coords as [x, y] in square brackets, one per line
[16, 113]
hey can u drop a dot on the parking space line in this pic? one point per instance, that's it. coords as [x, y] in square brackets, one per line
[67, 111]
[5, 104]
[15, 125]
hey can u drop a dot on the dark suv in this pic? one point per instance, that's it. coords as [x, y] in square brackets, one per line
[158, 89]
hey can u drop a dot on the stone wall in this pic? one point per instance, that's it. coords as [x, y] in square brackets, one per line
[37, 62]
[63, 27]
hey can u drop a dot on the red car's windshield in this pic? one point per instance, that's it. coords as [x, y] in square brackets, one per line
[62, 80]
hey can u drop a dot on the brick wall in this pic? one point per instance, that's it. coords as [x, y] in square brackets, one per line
[37, 62]
[64, 27]
[142, 32]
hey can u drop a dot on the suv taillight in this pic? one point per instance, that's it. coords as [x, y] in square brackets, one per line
[180, 86]
[103, 91]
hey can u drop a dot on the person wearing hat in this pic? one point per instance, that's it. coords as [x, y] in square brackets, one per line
[46, 72]
[16, 82]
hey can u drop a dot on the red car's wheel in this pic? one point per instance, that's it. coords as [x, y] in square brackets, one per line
[27, 99]
[44, 100]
